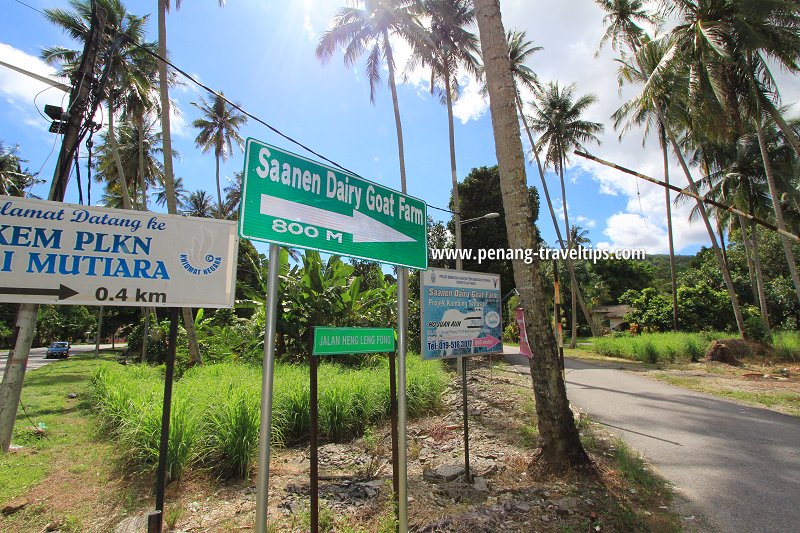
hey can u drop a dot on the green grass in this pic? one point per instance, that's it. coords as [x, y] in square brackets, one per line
[787, 345]
[69, 431]
[657, 348]
[216, 408]
[635, 470]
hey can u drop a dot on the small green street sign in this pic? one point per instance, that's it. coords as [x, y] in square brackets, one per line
[336, 341]
[293, 201]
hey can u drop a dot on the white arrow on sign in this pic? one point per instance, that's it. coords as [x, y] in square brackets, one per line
[363, 227]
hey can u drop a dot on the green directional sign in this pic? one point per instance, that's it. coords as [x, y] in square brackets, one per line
[290, 200]
[334, 341]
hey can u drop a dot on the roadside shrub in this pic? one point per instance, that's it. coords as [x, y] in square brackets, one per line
[511, 332]
[787, 345]
[646, 351]
[656, 347]
[216, 408]
[754, 325]
[231, 435]
[609, 346]
[692, 348]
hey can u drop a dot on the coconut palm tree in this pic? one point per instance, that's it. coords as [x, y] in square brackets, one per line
[233, 196]
[622, 23]
[738, 179]
[518, 51]
[127, 68]
[366, 26]
[446, 48]
[557, 115]
[13, 180]
[219, 129]
[169, 172]
[138, 156]
[637, 69]
[730, 42]
[560, 443]
[200, 205]
[727, 47]
[138, 103]
[181, 194]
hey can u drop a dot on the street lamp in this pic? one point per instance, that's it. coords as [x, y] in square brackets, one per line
[487, 215]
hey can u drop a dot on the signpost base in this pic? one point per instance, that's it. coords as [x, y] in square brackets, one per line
[467, 476]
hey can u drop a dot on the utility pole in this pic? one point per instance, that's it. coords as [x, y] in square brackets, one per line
[81, 100]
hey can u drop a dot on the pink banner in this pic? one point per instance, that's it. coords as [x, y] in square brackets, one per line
[524, 347]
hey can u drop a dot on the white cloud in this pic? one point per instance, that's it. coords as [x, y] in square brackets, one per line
[177, 121]
[471, 105]
[308, 27]
[21, 91]
[569, 57]
[585, 222]
[20, 87]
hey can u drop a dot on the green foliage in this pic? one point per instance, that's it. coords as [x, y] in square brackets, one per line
[13, 180]
[511, 332]
[656, 347]
[64, 322]
[220, 430]
[754, 325]
[652, 311]
[618, 276]
[700, 308]
[479, 194]
[157, 341]
[316, 292]
[646, 351]
[787, 345]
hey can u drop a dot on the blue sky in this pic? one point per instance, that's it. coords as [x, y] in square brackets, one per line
[261, 54]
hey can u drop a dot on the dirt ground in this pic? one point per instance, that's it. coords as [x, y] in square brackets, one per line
[506, 493]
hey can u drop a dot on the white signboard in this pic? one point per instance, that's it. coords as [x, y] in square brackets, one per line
[57, 253]
[460, 313]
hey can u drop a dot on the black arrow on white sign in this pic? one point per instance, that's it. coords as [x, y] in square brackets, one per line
[63, 292]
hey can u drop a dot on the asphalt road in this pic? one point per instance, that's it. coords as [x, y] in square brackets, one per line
[739, 466]
[36, 358]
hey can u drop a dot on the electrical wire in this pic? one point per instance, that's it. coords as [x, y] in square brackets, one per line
[30, 6]
[237, 106]
[35, 427]
[48, 119]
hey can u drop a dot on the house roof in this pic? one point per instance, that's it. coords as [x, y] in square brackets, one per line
[611, 311]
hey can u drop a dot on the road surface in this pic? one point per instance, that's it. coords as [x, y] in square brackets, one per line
[36, 358]
[737, 465]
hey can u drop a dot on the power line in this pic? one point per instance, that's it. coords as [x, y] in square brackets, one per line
[29, 6]
[245, 112]
[241, 109]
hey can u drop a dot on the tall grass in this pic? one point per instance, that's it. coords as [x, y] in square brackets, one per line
[787, 345]
[670, 347]
[216, 408]
[657, 347]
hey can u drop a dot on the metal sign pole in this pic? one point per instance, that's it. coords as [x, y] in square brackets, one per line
[314, 421]
[155, 524]
[402, 345]
[265, 430]
[393, 414]
[467, 476]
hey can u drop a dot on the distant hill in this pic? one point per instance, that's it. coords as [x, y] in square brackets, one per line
[660, 263]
